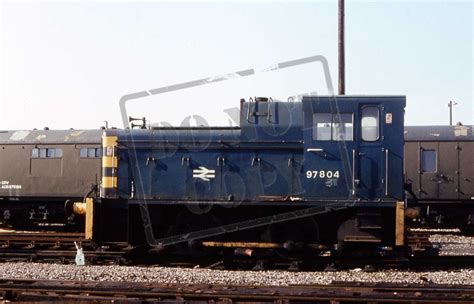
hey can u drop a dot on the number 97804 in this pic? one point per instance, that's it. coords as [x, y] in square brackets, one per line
[322, 174]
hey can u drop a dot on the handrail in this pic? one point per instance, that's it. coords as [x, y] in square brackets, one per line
[269, 110]
[386, 171]
[353, 171]
[248, 109]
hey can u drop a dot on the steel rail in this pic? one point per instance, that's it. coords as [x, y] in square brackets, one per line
[19, 290]
[56, 246]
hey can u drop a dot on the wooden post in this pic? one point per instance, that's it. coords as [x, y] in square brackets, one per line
[89, 218]
[400, 223]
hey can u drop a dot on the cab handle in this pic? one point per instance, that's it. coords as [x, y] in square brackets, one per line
[386, 171]
[355, 181]
[221, 161]
[315, 150]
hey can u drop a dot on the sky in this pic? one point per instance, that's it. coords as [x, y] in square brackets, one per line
[66, 64]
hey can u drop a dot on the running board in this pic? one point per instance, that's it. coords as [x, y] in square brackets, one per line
[249, 224]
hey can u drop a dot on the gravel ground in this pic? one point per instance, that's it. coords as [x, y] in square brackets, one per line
[450, 244]
[205, 276]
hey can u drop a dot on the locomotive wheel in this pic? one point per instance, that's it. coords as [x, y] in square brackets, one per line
[186, 222]
[293, 234]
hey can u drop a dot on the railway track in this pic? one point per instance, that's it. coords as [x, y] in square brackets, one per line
[61, 247]
[56, 247]
[33, 290]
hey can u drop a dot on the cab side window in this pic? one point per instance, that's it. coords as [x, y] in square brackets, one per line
[322, 126]
[342, 127]
[370, 124]
[327, 126]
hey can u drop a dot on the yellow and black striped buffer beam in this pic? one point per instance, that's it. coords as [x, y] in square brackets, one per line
[109, 166]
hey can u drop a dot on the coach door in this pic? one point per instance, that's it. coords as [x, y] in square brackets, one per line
[447, 177]
[328, 144]
[428, 168]
[466, 172]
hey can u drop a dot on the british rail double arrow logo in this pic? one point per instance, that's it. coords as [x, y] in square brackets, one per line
[204, 173]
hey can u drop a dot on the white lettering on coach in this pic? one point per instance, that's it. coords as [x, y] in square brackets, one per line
[6, 185]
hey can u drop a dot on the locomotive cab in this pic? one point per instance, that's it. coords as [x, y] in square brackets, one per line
[353, 148]
[353, 153]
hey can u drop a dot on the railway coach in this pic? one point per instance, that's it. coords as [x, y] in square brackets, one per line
[41, 170]
[439, 170]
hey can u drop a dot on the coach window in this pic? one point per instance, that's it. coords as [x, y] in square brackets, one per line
[46, 153]
[90, 152]
[42, 153]
[58, 152]
[98, 152]
[35, 153]
[83, 152]
[370, 124]
[428, 161]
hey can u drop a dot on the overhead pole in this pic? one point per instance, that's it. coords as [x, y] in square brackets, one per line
[451, 104]
[341, 49]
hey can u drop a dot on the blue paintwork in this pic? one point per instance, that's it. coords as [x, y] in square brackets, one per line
[366, 179]
[266, 159]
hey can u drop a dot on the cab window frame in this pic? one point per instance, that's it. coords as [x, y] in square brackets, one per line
[326, 126]
[365, 129]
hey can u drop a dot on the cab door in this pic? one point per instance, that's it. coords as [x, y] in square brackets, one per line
[370, 155]
[328, 133]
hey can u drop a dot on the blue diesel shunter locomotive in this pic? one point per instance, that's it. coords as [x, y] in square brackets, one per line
[325, 171]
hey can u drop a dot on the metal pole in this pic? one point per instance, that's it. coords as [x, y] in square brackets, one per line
[341, 54]
[450, 105]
